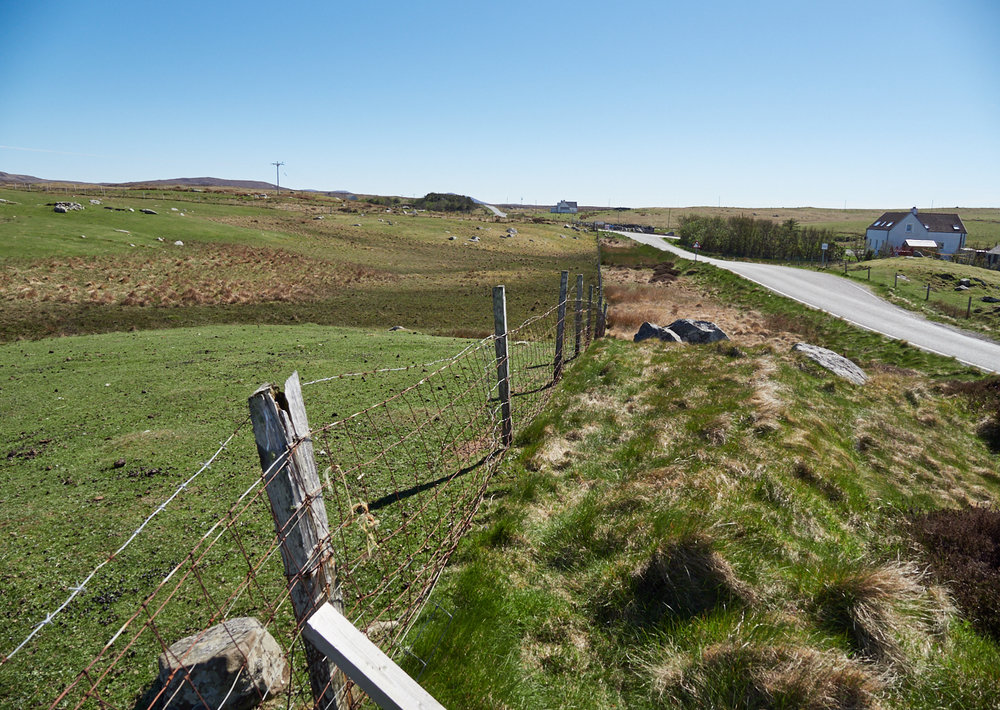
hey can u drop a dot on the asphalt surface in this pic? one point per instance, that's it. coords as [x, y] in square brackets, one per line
[855, 304]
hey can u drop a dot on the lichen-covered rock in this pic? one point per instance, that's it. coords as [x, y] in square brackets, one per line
[837, 364]
[238, 655]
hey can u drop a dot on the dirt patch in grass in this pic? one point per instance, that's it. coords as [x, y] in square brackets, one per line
[634, 297]
[196, 275]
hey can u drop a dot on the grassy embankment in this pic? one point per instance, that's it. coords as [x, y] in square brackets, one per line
[729, 526]
[99, 428]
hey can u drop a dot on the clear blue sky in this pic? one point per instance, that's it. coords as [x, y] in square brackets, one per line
[772, 103]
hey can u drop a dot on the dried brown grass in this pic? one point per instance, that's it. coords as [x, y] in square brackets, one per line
[204, 275]
[883, 610]
[773, 676]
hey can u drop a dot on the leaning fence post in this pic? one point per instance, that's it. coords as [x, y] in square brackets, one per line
[590, 314]
[293, 487]
[579, 315]
[968, 309]
[560, 326]
[503, 363]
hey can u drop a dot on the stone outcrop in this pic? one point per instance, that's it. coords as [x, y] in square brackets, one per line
[648, 330]
[684, 330]
[837, 364]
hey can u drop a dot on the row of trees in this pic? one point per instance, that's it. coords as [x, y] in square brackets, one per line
[758, 238]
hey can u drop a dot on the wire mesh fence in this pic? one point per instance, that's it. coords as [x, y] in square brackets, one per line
[388, 494]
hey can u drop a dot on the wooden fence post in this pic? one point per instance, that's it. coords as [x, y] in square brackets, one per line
[560, 326]
[604, 319]
[578, 323]
[503, 363]
[968, 310]
[590, 314]
[281, 431]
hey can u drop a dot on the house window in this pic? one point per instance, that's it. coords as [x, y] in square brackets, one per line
[909, 228]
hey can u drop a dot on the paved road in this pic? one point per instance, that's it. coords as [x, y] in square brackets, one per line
[495, 211]
[855, 304]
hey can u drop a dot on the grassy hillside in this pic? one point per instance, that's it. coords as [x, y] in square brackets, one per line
[316, 259]
[727, 526]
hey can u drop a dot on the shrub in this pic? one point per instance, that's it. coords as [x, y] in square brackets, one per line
[963, 549]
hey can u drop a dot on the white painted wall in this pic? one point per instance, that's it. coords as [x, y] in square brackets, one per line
[897, 234]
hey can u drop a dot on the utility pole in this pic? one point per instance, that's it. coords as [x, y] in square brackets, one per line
[277, 181]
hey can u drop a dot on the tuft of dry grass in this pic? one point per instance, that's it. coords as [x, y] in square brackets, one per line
[780, 676]
[880, 608]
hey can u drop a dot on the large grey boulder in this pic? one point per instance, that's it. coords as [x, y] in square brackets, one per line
[648, 330]
[238, 655]
[837, 364]
[697, 331]
[64, 207]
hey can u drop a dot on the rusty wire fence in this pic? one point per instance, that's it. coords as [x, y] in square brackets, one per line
[393, 488]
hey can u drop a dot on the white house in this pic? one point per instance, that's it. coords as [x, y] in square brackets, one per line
[564, 207]
[892, 229]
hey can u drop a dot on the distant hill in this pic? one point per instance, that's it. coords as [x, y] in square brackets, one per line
[20, 179]
[196, 182]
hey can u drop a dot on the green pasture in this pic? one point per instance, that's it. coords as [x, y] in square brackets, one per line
[284, 261]
[99, 430]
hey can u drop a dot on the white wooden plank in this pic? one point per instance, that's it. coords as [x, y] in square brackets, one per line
[364, 663]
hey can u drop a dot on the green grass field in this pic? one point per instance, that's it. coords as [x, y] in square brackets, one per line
[782, 495]
[283, 262]
[99, 430]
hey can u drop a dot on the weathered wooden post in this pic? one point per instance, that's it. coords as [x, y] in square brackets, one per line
[895, 280]
[578, 322]
[293, 487]
[604, 319]
[927, 297]
[503, 363]
[590, 314]
[560, 326]
[968, 309]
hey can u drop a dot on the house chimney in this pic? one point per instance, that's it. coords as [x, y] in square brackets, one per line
[914, 210]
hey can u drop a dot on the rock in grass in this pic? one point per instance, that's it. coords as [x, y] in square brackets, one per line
[837, 364]
[239, 654]
[990, 299]
[648, 330]
[697, 331]
[146, 210]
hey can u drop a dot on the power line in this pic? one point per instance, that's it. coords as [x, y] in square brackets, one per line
[277, 180]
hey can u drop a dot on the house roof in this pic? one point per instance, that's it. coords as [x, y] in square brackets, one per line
[920, 243]
[994, 250]
[948, 223]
